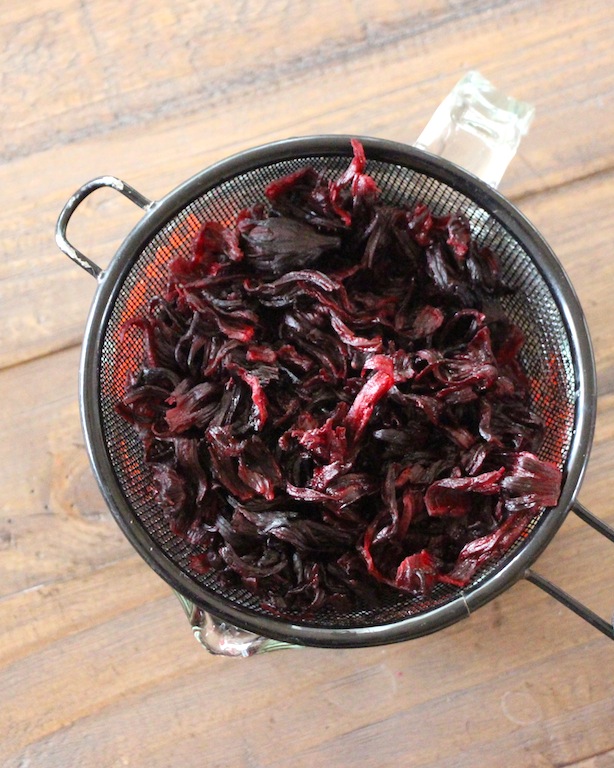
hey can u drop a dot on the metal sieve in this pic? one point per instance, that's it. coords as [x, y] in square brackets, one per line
[557, 358]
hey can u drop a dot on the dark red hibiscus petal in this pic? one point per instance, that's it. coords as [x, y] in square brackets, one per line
[417, 574]
[453, 496]
[331, 398]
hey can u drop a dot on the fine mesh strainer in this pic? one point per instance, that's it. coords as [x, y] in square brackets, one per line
[557, 358]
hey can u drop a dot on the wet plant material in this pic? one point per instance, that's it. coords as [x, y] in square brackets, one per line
[331, 399]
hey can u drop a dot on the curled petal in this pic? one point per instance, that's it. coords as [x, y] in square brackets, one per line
[453, 496]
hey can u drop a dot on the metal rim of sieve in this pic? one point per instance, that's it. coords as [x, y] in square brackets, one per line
[511, 567]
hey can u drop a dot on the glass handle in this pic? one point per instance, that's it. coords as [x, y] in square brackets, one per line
[223, 639]
[477, 127]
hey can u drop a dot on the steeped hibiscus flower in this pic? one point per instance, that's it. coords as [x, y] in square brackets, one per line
[331, 401]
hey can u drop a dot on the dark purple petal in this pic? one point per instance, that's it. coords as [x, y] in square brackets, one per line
[331, 399]
[452, 496]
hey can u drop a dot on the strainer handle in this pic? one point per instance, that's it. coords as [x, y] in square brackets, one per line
[73, 203]
[607, 627]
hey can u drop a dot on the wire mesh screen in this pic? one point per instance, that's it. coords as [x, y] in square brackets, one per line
[547, 356]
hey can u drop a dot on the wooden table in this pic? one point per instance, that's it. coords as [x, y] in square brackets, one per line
[97, 664]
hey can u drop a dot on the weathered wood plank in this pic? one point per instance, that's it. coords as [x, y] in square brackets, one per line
[97, 663]
[175, 142]
[38, 616]
[474, 687]
[55, 524]
[604, 760]
[117, 58]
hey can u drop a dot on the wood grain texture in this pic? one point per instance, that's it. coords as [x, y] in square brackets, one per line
[396, 65]
[97, 663]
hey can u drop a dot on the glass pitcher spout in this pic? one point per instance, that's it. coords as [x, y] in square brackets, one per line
[223, 639]
[477, 127]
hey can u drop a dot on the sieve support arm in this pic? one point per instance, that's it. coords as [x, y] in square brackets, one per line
[603, 528]
[61, 239]
[607, 627]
